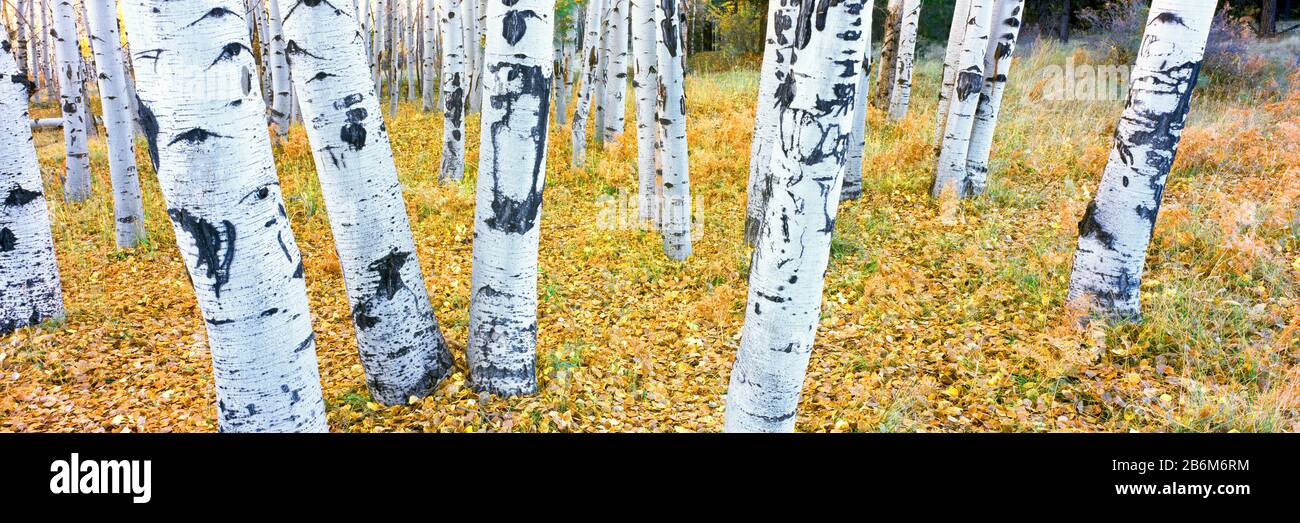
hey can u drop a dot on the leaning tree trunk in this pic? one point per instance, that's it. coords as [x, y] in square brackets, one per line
[776, 66]
[793, 247]
[502, 348]
[646, 83]
[889, 53]
[218, 180]
[851, 188]
[76, 182]
[1116, 229]
[429, 78]
[115, 96]
[454, 94]
[951, 61]
[29, 274]
[402, 348]
[590, 59]
[616, 72]
[1007, 18]
[965, 99]
[281, 87]
[670, 16]
[900, 96]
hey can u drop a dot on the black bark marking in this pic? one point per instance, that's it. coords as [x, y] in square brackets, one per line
[389, 269]
[215, 12]
[320, 76]
[353, 133]
[969, 83]
[7, 240]
[149, 123]
[230, 51]
[293, 49]
[215, 250]
[1169, 18]
[1165, 128]
[195, 136]
[515, 25]
[362, 318]
[669, 26]
[1090, 227]
[20, 196]
[510, 215]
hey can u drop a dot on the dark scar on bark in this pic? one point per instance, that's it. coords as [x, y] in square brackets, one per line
[389, 269]
[320, 76]
[215, 12]
[362, 318]
[149, 124]
[669, 26]
[1090, 227]
[20, 196]
[216, 251]
[7, 240]
[293, 49]
[195, 136]
[515, 24]
[1169, 18]
[229, 52]
[353, 133]
[348, 101]
[510, 215]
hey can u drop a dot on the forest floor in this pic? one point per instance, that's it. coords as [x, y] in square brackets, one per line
[936, 317]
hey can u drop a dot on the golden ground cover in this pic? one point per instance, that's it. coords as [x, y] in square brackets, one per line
[936, 318]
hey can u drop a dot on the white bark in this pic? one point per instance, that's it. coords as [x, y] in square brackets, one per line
[900, 96]
[616, 72]
[474, 12]
[1007, 18]
[402, 348]
[502, 348]
[646, 83]
[29, 274]
[852, 185]
[670, 16]
[281, 87]
[429, 79]
[951, 60]
[76, 182]
[964, 100]
[202, 108]
[793, 248]
[590, 59]
[105, 41]
[599, 96]
[889, 45]
[777, 52]
[41, 123]
[454, 92]
[23, 12]
[1116, 229]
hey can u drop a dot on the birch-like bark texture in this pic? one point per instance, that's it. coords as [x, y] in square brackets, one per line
[785, 282]
[30, 291]
[281, 87]
[23, 10]
[965, 98]
[560, 66]
[401, 346]
[599, 98]
[900, 95]
[951, 61]
[1007, 18]
[852, 186]
[502, 348]
[646, 84]
[76, 181]
[616, 72]
[675, 224]
[1116, 229]
[454, 92]
[888, 54]
[474, 10]
[590, 59]
[128, 208]
[204, 114]
[776, 66]
[429, 66]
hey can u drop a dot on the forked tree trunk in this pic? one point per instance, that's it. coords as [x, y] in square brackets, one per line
[30, 291]
[1007, 18]
[793, 247]
[900, 96]
[646, 84]
[502, 348]
[955, 146]
[616, 72]
[115, 96]
[777, 52]
[951, 62]
[888, 54]
[281, 87]
[76, 181]
[1116, 229]
[675, 225]
[218, 180]
[851, 188]
[590, 59]
[454, 92]
[402, 348]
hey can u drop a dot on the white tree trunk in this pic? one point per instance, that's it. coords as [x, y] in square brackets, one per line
[105, 41]
[793, 247]
[852, 186]
[454, 93]
[951, 60]
[1007, 18]
[474, 12]
[428, 87]
[23, 11]
[218, 179]
[964, 100]
[600, 96]
[281, 87]
[616, 72]
[670, 16]
[402, 348]
[777, 51]
[378, 53]
[502, 348]
[1116, 229]
[646, 82]
[76, 182]
[889, 46]
[900, 96]
[590, 59]
[29, 274]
